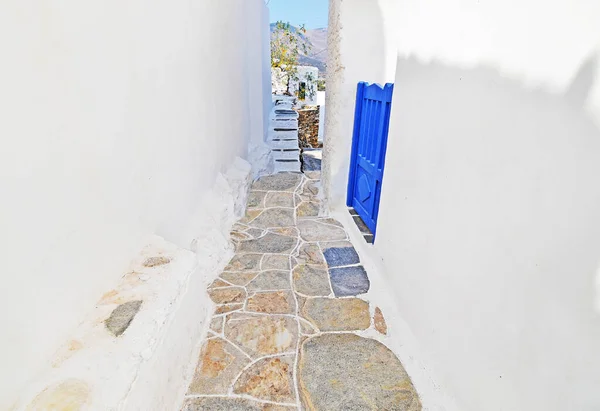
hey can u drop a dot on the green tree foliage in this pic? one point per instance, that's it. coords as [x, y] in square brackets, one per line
[287, 43]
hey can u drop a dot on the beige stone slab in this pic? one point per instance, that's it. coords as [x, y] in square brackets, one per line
[218, 365]
[335, 314]
[261, 335]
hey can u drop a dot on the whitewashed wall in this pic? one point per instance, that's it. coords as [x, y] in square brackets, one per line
[117, 117]
[309, 76]
[489, 226]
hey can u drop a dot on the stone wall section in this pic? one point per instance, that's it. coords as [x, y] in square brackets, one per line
[308, 128]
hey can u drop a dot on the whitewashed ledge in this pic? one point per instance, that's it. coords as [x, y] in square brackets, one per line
[149, 365]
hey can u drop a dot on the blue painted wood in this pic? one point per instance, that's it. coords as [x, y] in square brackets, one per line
[369, 144]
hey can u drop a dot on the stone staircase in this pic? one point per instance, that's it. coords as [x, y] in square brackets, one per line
[283, 138]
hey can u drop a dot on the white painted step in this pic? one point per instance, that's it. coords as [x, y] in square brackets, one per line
[283, 165]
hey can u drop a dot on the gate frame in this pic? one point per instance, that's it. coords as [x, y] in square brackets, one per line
[360, 95]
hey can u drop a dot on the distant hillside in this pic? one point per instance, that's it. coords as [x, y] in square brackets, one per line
[317, 56]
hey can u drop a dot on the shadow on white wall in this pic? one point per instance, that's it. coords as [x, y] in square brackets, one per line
[489, 227]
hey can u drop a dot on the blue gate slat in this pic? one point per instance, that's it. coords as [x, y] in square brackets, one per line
[369, 144]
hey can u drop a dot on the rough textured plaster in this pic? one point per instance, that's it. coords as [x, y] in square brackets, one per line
[149, 366]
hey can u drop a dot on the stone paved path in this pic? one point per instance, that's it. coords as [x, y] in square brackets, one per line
[285, 333]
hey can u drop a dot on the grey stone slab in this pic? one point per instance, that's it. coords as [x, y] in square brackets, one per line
[310, 162]
[121, 317]
[347, 281]
[311, 281]
[341, 256]
[279, 199]
[270, 280]
[269, 243]
[230, 404]
[244, 262]
[313, 230]
[274, 217]
[348, 372]
[308, 209]
[277, 182]
[275, 262]
[256, 199]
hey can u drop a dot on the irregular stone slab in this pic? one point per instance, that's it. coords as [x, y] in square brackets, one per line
[230, 404]
[333, 314]
[311, 281]
[218, 365]
[288, 231]
[310, 189]
[279, 199]
[277, 182]
[227, 295]
[227, 308]
[379, 321]
[274, 217]
[239, 236]
[256, 199]
[310, 254]
[277, 302]
[216, 324]
[218, 283]
[313, 230]
[269, 379]
[306, 327]
[348, 372]
[308, 209]
[255, 232]
[71, 394]
[238, 278]
[310, 163]
[122, 316]
[313, 175]
[348, 281]
[156, 261]
[250, 215]
[261, 335]
[270, 280]
[340, 256]
[331, 221]
[275, 262]
[269, 243]
[244, 262]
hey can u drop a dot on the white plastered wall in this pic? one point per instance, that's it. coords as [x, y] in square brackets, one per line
[118, 117]
[489, 225]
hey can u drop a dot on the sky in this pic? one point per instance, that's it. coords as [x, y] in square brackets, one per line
[312, 13]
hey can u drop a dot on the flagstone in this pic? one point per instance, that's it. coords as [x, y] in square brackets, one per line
[275, 262]
[311, 281]
[269, 379]
[279, 199]
[270, 280]
[277, 302]
[313, 230]
[269, 243]
[277, 182]
[274, 217]
[349, 281]
[227, 295]
[261, 335]
[218, 365]
[348, 372]
[333, 314]
[230, 404]
[243, 262]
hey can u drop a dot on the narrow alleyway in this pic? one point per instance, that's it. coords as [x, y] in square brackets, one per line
[289, 328]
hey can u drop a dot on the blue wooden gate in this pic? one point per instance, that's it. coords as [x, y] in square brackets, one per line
[369, 142]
